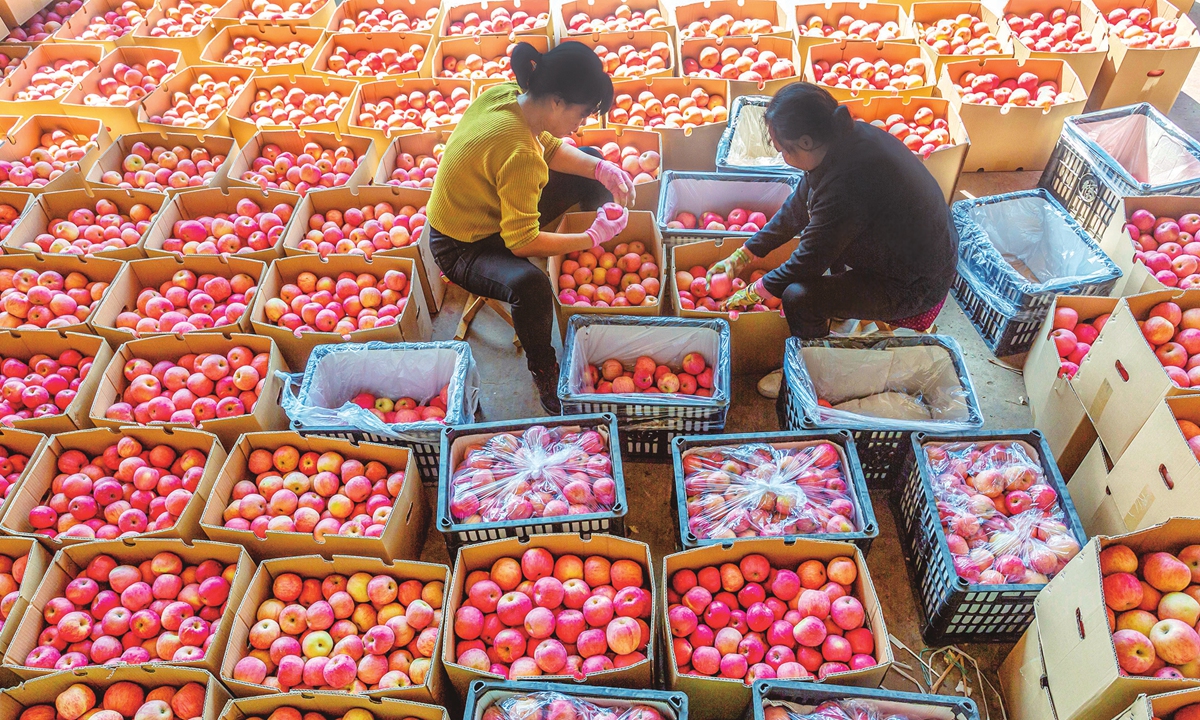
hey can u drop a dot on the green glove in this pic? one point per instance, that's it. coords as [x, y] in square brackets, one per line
[749, 296]
[731, 265]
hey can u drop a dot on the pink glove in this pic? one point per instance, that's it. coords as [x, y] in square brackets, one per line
[604, 229]
[616, 181]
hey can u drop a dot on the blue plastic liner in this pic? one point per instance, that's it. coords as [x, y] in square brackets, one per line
[698, 192]
[758, 132]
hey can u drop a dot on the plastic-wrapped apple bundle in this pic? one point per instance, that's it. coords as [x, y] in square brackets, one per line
[836, 710]
[1002, 520]
[543, 472]
[758, 490]
[554, 705]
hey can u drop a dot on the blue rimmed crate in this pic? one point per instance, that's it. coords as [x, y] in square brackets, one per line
[1091, 184]
[482, 694]
[699, 192]
[609, 522]
[647, 422]
[856, 484]
[1007, 308]
[376, 366]
[882, 444]
[747, 112]
[885, 702]
[952, 609]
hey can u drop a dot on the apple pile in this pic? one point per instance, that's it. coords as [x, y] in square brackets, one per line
[1187, 712]
[314, 168]
[113, 24]
[500, 21]
[155, 610]
[1190, 430]
[294, 106]
[625, 277]
[695, 377]
[1167, 246]
[363, 230]
[194, 389]
[54, 80]
[752, 621]
[378, 20]
[850, 27]
[1026, 90]
[8, 64]
[189, 302]
[1174, 335]
[44, 22]
[1073, 338]
[128, 84]
[1152, 609]
[749, 65]
[202, 103]
[122, 701]
[33, 300]
[1059, 31]
[341, 304]
[39, 387]
[419, 171]
[87, 232]
[248, 229]
[375, 64]
[57, 151]
[12, 464]
[414, 110]
[758, 490]
[738, 220]
[964, 34]
[259, 52]
[643, 167]
[628, 61]
[696, 292]
[405, 409]
[1002, 520]
[159, 168]
[725, 25]
[623, 19]
[265, 10]
[12, 573]
[590, 615]
[670, 110]
[540, 473]
[185, 19]
[923, 133]
[858, 73]
[1139, 28]
[8, 219]
[475, 67]
[323, 494]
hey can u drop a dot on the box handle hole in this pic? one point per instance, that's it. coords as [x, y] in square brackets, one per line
[1079, 623]
[1121, 371]
[1166, 477]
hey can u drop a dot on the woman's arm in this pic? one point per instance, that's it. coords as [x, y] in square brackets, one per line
[573, 161]
[547, 244]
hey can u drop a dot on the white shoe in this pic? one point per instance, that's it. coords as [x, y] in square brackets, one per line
[769, 385]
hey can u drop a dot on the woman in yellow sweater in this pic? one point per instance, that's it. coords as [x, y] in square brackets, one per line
[505, 174]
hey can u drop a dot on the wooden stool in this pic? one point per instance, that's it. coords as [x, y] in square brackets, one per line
[475, 303]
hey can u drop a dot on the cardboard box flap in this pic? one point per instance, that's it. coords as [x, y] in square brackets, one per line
[1159, 477]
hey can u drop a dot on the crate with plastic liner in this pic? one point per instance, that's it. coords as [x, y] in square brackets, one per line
[390, 393]
[1016, 253]
[695, 206]
[494, 700]
[788, 700]
[746, 146]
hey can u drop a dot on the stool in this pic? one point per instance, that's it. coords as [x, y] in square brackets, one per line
[922, 323]
[475, 303]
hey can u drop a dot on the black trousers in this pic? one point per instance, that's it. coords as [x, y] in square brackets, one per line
[811, 304]
[489, 269]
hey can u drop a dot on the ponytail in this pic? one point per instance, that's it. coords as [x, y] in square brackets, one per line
[802, 110]
[571, 72]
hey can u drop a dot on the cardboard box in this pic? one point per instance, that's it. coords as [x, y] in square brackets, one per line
[35, 487]
[1081, 664]
[19, 442]
[239, 12]
[293, 141]
[71, 561]
[35, 566]
[1116, 243]
[641, 40]
[1012, 138]
[893, 52]
[418, 12]
[95, 269]
[210, 201]
[562, 12]
[927, 14]
[243, 126]
[163, 98]
[119, 119]
[641, 228]
[831, 12]
[784, 49]
[52, 206]
[24, 344]
[945, 164]
[140, 275]
[23, 138]
[14, 13]
[1023, 679]
[756, 338]
[13, 53]
[1085, 64]
[1056, 408]
[334, 704]
[1121, 381]
[75, 25]
[374, 42]
[455, 10]
[415, 145]
[314, 566]
[1093, 499]
[1156, 706]
[267, 414]
[403, 535]
[489, 47]
[784, 24]
[647, 192]
[222, 43]
[17, 200]
[713, 697]
[1132, 75]
[189, 47]
[41, 691]
[386, 91]
[413, 325]
[115, 154]
[482, 556]
[693, 148]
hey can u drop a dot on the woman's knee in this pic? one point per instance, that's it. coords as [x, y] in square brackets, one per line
[796, 297]
[530, 286]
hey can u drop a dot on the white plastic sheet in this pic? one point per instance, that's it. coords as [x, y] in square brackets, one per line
[765, 194]
[1146, 150]
[750, 144]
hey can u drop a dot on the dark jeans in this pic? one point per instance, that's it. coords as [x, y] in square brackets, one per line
[489, 269]
[809, 305]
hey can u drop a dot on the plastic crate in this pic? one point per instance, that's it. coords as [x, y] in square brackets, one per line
[952, 609]
[1006, 308]
[647, 423]
[889, 701]
[1091, 184]
[864, 512]
[611, 522]
[763, 192]
[883, 447]
[481, 694]
[723, 146]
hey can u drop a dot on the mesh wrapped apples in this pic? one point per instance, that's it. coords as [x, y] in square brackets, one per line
[1152, 609]
[40, 387]
[557, 705]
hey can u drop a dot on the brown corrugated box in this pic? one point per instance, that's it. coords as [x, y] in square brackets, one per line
[294, 141]
[640, 40]
[188, 47]
[21, 442]
[315, 566]
[482, 556]
[276, 35]
[231, 14]
[1086, 65]
[116, 153]
[244, 128]
[692, 149]
[28, 135]
[20, 79]
[1152, 707]
[355, 42]
[777, 12]
[1116, 243]
[928, 13]
[1093, 500]
[51, 206]
[157, 102]
[75, 25]
[784, 49]
[349, 9]
[94, 269]
[41, 691]
[893, 52]
[415, 145]
[119, 119]
[35, 567]
[1023, 679]
[14, 13]
[69, 562]
[335, 704]
[413, 324]
[830, 12]
[455, 11]
[403, 535]
[489, 47]
[643, 140]
[35, 486]
[1133, 75]
[710, 697]
[210, 201]
[388, 89]
[561, 13]
[24, 344]
[267, 414]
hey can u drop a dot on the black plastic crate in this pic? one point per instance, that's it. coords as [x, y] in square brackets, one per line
[481, 694]
[1003, 335]
[611, 522]
[727, 191]
[857, 485]
[811, 693]
[954, 610]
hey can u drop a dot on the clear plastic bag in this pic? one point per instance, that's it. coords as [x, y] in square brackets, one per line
[556, 706]
[758, 490]
[1147, 150]
[697, 193]
[1002, 521]
[837, 710]
[746, 142]
[540, 473]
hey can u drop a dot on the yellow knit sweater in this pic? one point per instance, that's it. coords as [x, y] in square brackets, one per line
[492, 173]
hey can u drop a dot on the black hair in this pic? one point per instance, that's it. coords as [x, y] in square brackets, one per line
[803, 109]
[572, 71]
